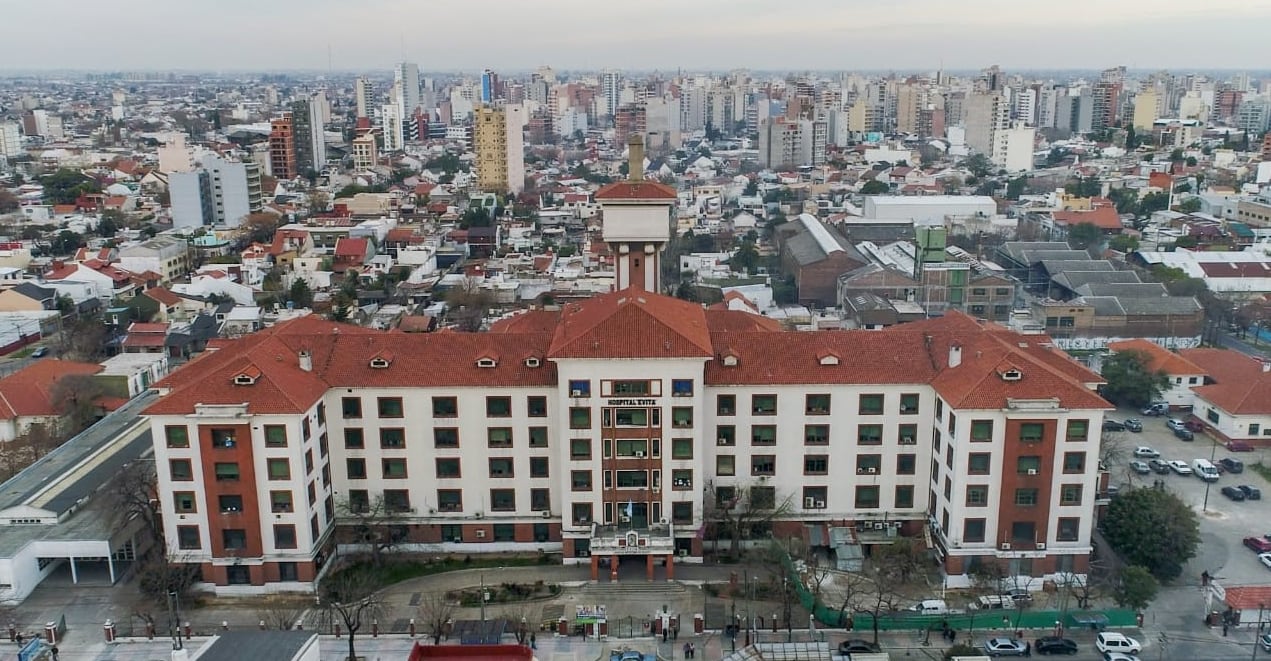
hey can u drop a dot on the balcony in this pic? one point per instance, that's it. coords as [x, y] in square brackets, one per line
[658, 539]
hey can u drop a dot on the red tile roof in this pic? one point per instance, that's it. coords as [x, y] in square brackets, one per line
[631, 324]
[1248, 597]
[1242, 384]
[352, 247]
[1105, 218]
[28, 391]
[1160, 359]
[1236, 269]
[636, 190]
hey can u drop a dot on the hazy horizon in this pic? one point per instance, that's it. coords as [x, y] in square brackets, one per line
[706, 35]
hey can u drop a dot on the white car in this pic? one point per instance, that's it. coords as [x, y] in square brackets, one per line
[1144, 452]
[1265, 558]
[1111, 641]
[1179, 466]
[1119, 656]
[1175, 424]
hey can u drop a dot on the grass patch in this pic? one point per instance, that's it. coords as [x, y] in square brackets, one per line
[396, 570]
[1261, 469]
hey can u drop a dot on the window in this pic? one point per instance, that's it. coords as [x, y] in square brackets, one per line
[979, 463]
[1028, 465]
[763, 404]
[500, 467]
[393, 438]
[981, 431]
[631, 479]
[816, 434]
[871, 404]
[581, 513]
[869, 434]
[979, 291]
[540, 500]
[445, 407]
[1254, 428]
[322, 413]
[725, 497]
[763, 498]
[869, 463]
[393, 469]
[1069, 529]
[909, 403]
[397, 500]
[280, 501]
[1212, 416]
[389, 407]
[445, 437]
[538, 437]
[817, 405]
[498, 406]
[973, 531]
[180, 470]
[188, 538]
[681, 448]
[1078, 430]
[906, 464]
[725, 465]
[177, 436]
[726, 435]
[1026, 497]
[904, 497]
[536, 406]
[359, 501]
[682, 417]
[579, 448]
[308, 461]
[977, 495]
[682, 479]
[681, 512]
[499, 437]
[305, 429]
[1070, 494]
[504, 532]
[279, 469]
[726, 405]
[763, 435]
[355, 468]
[580, 388]
[284, 536]
[354, 439]
[814, 497]
[503, 500]
[681, 387]
[631, 387]
[866, 497]
[579, 417]
[1031, 432]
[351, 407]
[580, 480]
[185, 502]
[234, 539]
[816, 464]
[449, 500]
[538, 467]
[1074, 462]
[1001, 291]
[763, 464]
[447, 468]
[222, 438]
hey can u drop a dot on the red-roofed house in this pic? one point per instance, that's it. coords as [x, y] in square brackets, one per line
[28, 396]
[1183, 374]
[145, 338]
[1235, 402]
[351, 253]
[1103, 217]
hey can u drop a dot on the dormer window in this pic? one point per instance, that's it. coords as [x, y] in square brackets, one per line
[730, 360]
[1012, 374]
[244, 380]
[532, 362]
[379, 363]
[486, 362]
[828, 358]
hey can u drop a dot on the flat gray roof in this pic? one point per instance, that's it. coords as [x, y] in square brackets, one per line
[255, 644]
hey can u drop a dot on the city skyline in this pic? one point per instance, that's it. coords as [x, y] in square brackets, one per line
[570, 34]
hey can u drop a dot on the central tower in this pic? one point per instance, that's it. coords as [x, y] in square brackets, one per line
[636, 223]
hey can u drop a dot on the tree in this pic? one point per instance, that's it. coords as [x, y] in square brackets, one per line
[1190, 205]
[349, 600]
[8, 201]
[746, 258]
[110, 222]
[1084, 187]
[875, 187]
[978, 164]
[83, 340]
[1125, 199]
[1136, 588]
[76, 400]
[131, 496]
[66, 186]
[1055, 156]
[475, 217]
[1154, 529]
[902, 560]
[259, 227]
[281, 613]
[435, 613]
[66, 242]
[1123, 243]
[467, 304]
[1155, 201]
[300, 294]
[1015, 187]
[1083, 235]
[744, 511]
[1130, 381]
[373, 525]
[863, 595]
[318, 201]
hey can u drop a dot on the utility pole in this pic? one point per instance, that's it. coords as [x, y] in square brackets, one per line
[482, 597]
[1257, 635]
[174, 619]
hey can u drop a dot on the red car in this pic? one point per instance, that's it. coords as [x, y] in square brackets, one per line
[1239, 446]
[1194, 425]
[1258, 544]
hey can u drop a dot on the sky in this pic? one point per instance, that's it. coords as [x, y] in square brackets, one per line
[518, 35]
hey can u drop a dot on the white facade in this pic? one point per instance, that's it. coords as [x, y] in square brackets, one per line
[391, 116]
[928, 209]
[364, 90]
[221, 193]
[1013, 148]
[10, 140]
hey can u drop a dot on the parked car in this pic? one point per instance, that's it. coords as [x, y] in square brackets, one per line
[1134, 425]
[1251, 493]
[1019, 595]
[1233, 493]
[1239, 446]
[1155, 409]
[856, 645]
[1159, 466]
[1265, 559]
[1055, 645]
[1112, 641]
[1180, 467]
[1005, 647]
[40, 353]
[1265, 641]
[1184, 434]
[1113, 425]
[1231, 465]
[1194, 425]
[1140, 467]
[1144, 452]
[1119, 656]
[1258, 544]
[1175, 424]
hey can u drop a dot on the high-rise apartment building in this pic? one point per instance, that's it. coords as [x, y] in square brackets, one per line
[393, 127]
[219, 194]
[364, 92]
[787, 143]
[307, 130]
[497, 136]
[610, 89]
[10, 140]
[365, 151]
[910, 99]
[1254, 115]
[1106, 97]
[490, 88]
[282, 147]
[1013, 148]
[406, 85]
[984, 114]
[1147, 109]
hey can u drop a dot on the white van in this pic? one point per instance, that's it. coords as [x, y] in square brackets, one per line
[994, 602]
[931, 607]
[1205, 470]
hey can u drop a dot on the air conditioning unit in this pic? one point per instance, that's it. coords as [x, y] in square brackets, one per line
[1006, 546]
[722, 441]
[683, 553]
[809, 503]
[478, 515]
[480, 534]
[663, 521]
[1032, 471]
[457, 540]
[897, 524]
[576, 393]
[547, 514]
[907, 440]
[1041, 546]
[872, 470]
[639, 454]
[820, 504]
[880, 526]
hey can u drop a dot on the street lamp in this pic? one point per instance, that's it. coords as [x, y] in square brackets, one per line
[1213, 449]
[1257, 635]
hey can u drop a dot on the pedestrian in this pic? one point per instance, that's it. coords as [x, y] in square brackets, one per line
[533, 642]
[1224, 628]
[686, 648]
[675, 633]
[1028, 648]
[55, 652]
[692, 651]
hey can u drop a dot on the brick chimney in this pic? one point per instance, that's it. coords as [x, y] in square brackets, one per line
[635, 152]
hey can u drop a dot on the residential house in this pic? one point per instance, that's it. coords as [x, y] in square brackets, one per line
[145, 337]
[1235, 401]
[29, 395]
[27, 296]
[167, 255]
[1183, 374]
[351, 253]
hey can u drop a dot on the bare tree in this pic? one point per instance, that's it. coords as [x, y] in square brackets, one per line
[75, 397]
[281, 613]
[435, 614]
[863, 595]
[901, 560]
[519, 616]
[986, 578]
[373, 525]
[133, 494]
[350, 599]
[467, 304]
[82, 340]
[744, 512]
